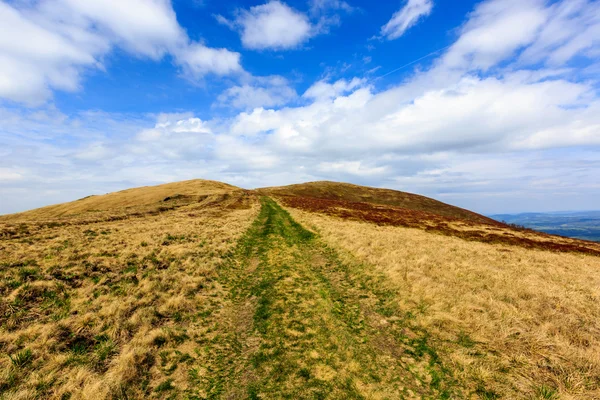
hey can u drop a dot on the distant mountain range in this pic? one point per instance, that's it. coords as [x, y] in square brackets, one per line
[575, 224]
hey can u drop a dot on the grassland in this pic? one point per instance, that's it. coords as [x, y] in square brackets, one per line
[511, 322]
[113, 309]
[138, 201]
[200, 290]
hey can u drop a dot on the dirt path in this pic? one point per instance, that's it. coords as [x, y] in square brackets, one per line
[297, 323]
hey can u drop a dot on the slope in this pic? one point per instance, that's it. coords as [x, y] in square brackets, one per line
[216, 292]
[355, 193]
[112, 307]
[511, 321]
[136, 200]
[390, 207]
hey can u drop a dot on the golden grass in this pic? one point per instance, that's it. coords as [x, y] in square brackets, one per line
[172, 292]
[513, 322]
[113, 309]
[494, 232]
[131, 200]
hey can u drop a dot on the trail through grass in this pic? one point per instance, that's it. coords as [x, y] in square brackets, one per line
[298, 323]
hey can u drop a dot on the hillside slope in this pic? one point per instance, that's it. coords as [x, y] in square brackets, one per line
[355, 193]
[201, 290]
[136, 200]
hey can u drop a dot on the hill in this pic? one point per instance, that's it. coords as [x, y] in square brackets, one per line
[137, 200]
[199, 290]
[355, 193]
[391, 207]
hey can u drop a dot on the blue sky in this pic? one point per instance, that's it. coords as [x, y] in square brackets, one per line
[491, 105]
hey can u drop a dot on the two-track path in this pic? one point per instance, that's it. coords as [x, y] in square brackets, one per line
[297, 323]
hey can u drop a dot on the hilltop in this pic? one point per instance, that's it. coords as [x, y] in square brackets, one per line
[355, 193]
[137, 200]
[200, 289]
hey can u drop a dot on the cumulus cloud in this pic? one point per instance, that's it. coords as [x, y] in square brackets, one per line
[198, 60]
[145, 27]
[473, 115]
[269, 91]
[405, 18]
[273, 25]
[48, 45]
[480, 128]
[34, 59]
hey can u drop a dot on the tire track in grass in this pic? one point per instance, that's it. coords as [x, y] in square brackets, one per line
[298, 323]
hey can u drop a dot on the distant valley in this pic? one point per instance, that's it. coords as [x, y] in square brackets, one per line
[576, 224]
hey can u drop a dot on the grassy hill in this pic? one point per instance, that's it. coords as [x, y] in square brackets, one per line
[137, 200]
[201, 290]
[355, 193]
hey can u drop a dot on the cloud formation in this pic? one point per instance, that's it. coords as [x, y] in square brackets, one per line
[405, 18]
[269, 91]
[495, 123]
[277, 26]
[48, 45]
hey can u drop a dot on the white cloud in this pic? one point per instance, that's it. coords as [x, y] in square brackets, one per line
[532, 30]
[48, 45]
[198, 60]
[350, 168]
[479, 128]
[34, 60]
[9, 174]
[405, 18]
[146, 27]
[273, 91]
[473, 115]
[174, 135]
[323, 6]
[494, 32]
[273, 25]
[571, 28]
[93, 152]
[323, 90]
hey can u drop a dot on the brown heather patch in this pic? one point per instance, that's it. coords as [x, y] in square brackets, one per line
[493, 232]
[362, 194]
[113, 307]
[510, 322]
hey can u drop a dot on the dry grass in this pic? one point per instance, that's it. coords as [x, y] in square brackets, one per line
[114, 309]
[514, 323]
[303, 325]
[138, 200]
[493, 232]
[174, 292]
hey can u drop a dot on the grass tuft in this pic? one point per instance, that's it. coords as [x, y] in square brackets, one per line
[22, 359]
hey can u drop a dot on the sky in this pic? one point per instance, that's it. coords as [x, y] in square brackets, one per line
[493, 106]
